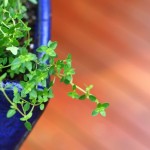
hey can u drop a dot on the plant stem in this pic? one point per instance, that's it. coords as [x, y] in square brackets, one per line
[71, 83]
[79, 88]
[32, 109]
[29, 102]
[19, 5]
[5, 25]
[23, 108]
[5, 66]
[2, 32]
[8, 99]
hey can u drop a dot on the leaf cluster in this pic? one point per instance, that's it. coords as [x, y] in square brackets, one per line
[15, 59]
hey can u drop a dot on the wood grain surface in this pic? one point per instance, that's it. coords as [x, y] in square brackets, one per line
[110, 44]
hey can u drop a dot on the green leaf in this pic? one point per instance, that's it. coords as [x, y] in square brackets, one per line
[10, 113]
[105, 105]
[40, 99]
[33, 94]
[28, 87]
[28, 125]
[15, 90]
[3, 76]
[50, 94]
[82, 97]
[42, 49]
[103, 113]
[73, 95]
[5, 3]
[27, 42]
[101, 108]
[44, 58]
[29, 65]
[69, 60]
[16, 98]
[13, 49]
[18, 34]
[52, 70]
[74, 87]
[88, 88]
[33, 1]
[27, 58]
[69, 57]
[25, 118]
[52, 45]
[43, 83]
[95, 112]
[42, 107]
[50, 52]
[45, 98]
[41, 75]
[26, 107]
[16, 63]
[4, 61]
[99, 105]
[66, 79]
[92, 98]
[68, 71]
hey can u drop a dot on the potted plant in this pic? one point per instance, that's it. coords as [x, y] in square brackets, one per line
[25, 68]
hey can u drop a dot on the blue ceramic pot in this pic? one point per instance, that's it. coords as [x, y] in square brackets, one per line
[12, 131]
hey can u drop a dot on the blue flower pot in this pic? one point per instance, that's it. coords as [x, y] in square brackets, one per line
[12, 130]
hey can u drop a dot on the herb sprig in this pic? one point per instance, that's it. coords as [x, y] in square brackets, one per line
[15, 59]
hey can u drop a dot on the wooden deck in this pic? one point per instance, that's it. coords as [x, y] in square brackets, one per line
[110, 44]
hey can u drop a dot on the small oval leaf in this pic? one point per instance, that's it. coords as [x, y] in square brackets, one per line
[92, 98]
[28, 125]
[10, 113]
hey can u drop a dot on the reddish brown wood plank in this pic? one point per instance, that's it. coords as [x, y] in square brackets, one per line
[109, 41]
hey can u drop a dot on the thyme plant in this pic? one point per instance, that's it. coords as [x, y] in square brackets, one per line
[17, 61]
